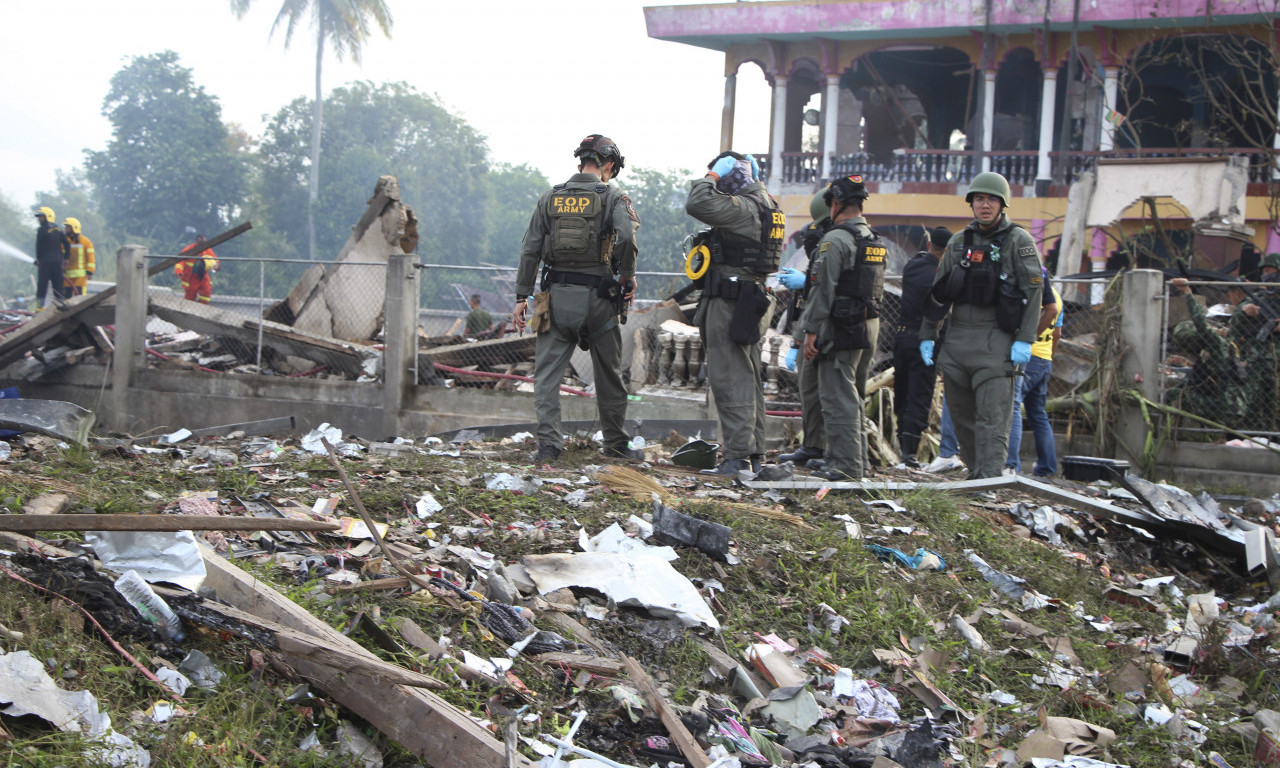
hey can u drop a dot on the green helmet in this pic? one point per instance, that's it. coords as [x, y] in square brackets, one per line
[818, 207]
[1186, 337]
[990, 183]
[1270, 260]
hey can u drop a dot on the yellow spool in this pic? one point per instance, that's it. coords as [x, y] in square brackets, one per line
[703, 256]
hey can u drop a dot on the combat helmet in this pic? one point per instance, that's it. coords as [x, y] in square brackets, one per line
[818, 209]
[602, 149]
[989, 183]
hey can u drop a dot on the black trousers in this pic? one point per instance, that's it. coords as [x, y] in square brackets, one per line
[913, 383]
[49, 274]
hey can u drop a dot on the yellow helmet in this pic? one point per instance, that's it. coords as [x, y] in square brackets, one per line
[47, 212]
[74, 224]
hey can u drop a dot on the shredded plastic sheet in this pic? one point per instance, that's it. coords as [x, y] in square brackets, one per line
[168, 556]
[874, 702]
[27, 689]
[632, 578]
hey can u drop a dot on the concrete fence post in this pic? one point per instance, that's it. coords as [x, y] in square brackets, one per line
[401, 333]
[131, 327]
[1142, 333]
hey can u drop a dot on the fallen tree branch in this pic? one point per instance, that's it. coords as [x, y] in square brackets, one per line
[158, 523]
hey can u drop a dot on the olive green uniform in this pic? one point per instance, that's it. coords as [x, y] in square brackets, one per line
[811, 421]
[579, 314]
[1262, 365]
[733, 370]
[977, 372]
[1213, 389]
[839, 386]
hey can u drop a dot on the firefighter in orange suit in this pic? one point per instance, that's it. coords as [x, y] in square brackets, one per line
[79, 266]
[196, 274]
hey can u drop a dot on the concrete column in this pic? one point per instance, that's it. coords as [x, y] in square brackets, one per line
[131, 328]
[726, 114]
[401, 332]
[1048, 97]
[831, 119]
[1107, 134]
[988, 115]
[778, 132]
[1141, 334]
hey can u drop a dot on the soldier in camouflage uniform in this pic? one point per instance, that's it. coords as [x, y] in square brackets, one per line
[1255, 334]
[1214, 388]
[745, 244]
[583, 232]
[990, 283]
[847, 289]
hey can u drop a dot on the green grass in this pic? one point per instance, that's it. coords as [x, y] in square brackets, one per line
[785, 572]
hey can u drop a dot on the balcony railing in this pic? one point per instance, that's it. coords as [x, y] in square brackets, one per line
[941, 166]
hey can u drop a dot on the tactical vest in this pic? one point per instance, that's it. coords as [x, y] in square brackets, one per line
[576, 218]
[811, 235]
[976, 278]
[865, 280]
[761, 255]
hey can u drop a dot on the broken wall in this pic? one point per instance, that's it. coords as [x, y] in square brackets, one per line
[347, 301]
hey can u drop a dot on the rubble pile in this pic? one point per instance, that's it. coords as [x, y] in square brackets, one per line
[641, 614]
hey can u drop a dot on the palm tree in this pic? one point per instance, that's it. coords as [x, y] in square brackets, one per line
[345, 25]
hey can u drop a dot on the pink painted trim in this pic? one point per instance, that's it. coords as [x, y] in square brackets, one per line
[943, 17]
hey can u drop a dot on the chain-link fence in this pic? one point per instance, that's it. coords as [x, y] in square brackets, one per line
[267, 316]
[1221, 359]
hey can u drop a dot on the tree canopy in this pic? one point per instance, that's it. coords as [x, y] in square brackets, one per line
[168, 164]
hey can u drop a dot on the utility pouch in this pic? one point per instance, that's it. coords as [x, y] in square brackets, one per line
[1010, 306]
[541, 320]
[849, 324]
[752, 305]
[198, 269]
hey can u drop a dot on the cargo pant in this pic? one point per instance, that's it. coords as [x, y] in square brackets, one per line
[733, 371]
[842, 409]
[978, 378]
[577, 310]
[811, 421]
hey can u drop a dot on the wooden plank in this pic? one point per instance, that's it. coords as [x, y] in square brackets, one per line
[345, 356]
[158, 523]
[423, 723]
[597, 665]
[679, 733]
[377, 585]
[490, 352]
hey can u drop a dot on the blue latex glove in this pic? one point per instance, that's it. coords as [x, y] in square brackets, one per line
[791, 279]
[1021, 352]
[755, 167]
[926, 352]
[792, 354]
[723, 166]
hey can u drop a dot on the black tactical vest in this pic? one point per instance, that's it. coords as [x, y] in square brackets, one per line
[576, 218]
[865, 280]
[761, 255]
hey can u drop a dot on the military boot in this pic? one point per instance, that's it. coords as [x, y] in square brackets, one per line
[729, 468]
[802, 455]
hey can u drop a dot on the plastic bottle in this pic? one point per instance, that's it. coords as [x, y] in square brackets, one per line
[151, 606]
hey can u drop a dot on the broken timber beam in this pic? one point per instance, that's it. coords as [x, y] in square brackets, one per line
[679, 733]
[421, 722]
[345, 356]
[158, 523]
[509, 349]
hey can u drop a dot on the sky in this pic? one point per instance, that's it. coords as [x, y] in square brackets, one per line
[533, 76]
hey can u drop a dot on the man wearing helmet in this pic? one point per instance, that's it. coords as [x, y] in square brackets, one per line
[848, 285]
[52, 249]
[1214, 387]
[1255, 331]
[989, 282]
[813, 444]
[583, 233]
[745, 243]
[81, 261]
